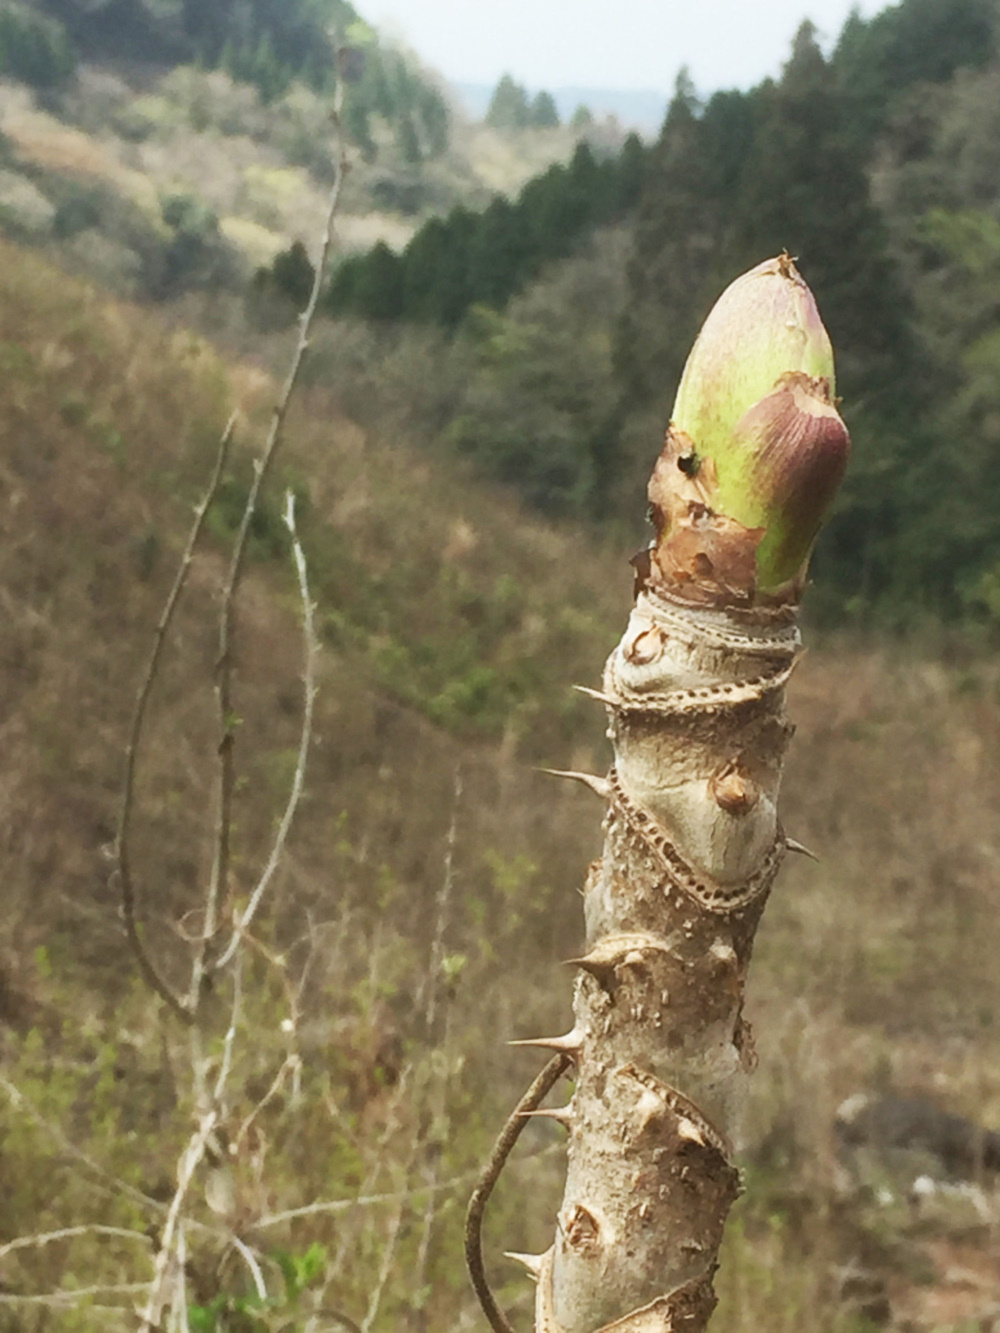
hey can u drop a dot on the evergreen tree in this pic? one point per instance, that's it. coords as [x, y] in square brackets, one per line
[673, 271]
[497, 254]
[293, 275]
[433, 111]
[804, 188]
[913, 42]
[435, 269]
[378, 285]
[543, 114]
[406, 137]
[630, 174]
[508, 109]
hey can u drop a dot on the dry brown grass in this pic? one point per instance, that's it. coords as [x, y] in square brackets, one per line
[876, 967]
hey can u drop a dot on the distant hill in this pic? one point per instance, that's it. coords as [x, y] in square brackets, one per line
[641, 109]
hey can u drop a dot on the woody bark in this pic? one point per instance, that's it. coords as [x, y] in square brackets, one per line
[695, 697]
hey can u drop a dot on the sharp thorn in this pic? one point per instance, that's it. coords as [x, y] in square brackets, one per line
[532, 1262]
[599, 786]
[794, 846]
[602, 969]
[596, 694]
[561, 1114]
[570, 1043]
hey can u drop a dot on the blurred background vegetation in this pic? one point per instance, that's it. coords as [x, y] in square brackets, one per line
[489, 381]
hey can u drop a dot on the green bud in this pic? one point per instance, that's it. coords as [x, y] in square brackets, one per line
[755, 401]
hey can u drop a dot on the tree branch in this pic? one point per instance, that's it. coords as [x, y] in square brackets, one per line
[122, 844]
[219, 886]
[305, 738]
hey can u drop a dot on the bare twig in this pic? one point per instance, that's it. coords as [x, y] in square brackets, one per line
[58, 1300]
[68, 1233]
[122, 845]
[190, 1161]
[181, 1301]
[305, 738]
[433, 979]
[219, 885]
[432, 1154]
[488, 1178]
[334, 1206]
[225, 1068]
[251, 1262]
[288, 1066]
[388, 1254]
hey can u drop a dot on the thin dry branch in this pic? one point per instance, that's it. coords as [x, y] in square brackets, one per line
[122, 844]
[388, 1254]
[190, 1161]
[69, 1233]
[432, 1158]
[333, 1206]
[219, 885]
[59, 1300]
[305, 739]
[488, 1178]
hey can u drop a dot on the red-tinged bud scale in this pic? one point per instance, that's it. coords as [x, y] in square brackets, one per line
[755, 450]
[790, 452]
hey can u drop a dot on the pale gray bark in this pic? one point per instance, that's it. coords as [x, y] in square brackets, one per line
[695, 698]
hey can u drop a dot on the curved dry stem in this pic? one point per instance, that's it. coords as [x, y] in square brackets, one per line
[219, 885]
[488, 1178]
[122, 845]
[305, 739]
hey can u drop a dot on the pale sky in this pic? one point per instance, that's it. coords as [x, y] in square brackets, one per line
[616, 44]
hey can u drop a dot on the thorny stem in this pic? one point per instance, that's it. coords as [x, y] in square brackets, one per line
[694, 695]
[219, 884]
[122, 844]
[488, 1178]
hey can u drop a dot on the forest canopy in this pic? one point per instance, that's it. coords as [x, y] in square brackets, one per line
[876, 166]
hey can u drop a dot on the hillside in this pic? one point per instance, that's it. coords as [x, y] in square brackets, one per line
[875, 166]
[453, 626]
[163, 153]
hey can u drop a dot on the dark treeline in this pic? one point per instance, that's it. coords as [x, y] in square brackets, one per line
[876, 167]
[790, 165]
[468, 258]
[294, 32]
[266, 43]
